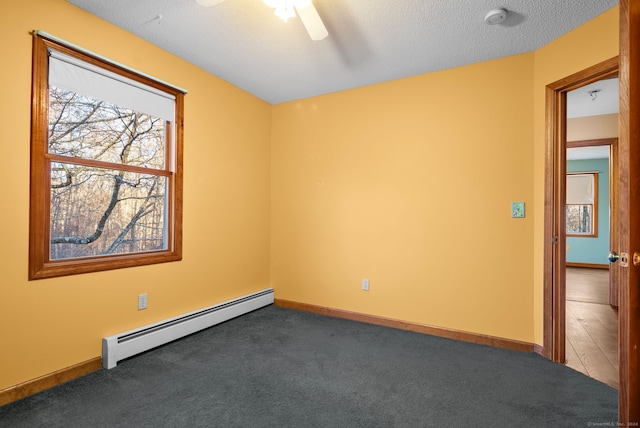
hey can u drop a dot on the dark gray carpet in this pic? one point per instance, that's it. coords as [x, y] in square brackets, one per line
[277, 367]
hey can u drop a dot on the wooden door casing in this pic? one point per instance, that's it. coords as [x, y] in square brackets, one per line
[629, 217]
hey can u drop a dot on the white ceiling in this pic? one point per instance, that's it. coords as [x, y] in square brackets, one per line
[370, 41]
[581, 102]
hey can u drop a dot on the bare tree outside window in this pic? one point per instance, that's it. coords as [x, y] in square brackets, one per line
[97, 211]
[579, 219]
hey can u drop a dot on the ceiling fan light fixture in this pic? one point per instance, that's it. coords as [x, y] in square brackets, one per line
[284, 9]
[208, 3]
[285, 13]
[308, 14]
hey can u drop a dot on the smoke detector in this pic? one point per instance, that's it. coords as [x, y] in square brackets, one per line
[495, 16]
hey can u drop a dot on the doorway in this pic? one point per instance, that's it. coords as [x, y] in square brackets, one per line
[555, 244]
[591, 295]
[591, 300]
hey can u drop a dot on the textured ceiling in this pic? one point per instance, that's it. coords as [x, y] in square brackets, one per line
[369, 41]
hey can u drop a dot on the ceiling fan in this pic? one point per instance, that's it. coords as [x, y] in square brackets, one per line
[286, 9]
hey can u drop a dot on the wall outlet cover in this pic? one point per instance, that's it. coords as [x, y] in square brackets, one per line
[517, 209]
[142, 301]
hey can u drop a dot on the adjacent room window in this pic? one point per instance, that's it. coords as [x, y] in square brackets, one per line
[582, 204]
[106, 165]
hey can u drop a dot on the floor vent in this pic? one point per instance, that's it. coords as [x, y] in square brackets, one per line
[124, 345]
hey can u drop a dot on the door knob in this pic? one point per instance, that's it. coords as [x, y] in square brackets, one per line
[623, 257]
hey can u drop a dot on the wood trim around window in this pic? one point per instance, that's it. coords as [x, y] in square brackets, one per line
[594, 207]
[39, 264]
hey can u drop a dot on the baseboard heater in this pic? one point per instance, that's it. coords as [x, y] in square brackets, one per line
[124, 345]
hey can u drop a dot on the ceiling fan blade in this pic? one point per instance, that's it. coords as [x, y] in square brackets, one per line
[207, 3]
[312, 22]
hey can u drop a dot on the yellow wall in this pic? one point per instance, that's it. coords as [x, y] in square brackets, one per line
[51, 324]
[587, 45]
[409, 183]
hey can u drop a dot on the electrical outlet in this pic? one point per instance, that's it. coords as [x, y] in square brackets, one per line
[142, 301]
[365, 284]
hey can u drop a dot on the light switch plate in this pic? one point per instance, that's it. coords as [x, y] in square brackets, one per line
[517, 209]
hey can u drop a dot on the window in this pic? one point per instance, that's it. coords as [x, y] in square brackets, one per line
[106, 165]
[582, 204]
